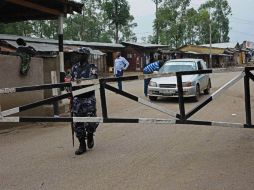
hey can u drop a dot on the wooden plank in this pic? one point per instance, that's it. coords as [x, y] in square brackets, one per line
[35, 6]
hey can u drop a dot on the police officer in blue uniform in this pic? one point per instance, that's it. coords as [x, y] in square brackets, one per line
[84, 105]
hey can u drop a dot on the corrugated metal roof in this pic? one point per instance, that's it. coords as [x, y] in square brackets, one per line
[222, 45]
[42, 47]
[92, 51]
[15, 11]
[93, 44]
[66, 42]
[27, 39]
[196, 53]
[193, 52]
[144, 45]
[185, 59]
[201, 49]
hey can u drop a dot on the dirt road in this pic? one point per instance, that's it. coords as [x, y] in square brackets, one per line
[136, 156]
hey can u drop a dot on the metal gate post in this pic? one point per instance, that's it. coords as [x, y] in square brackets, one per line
[103, 99]
[180, 95]
[247, 98]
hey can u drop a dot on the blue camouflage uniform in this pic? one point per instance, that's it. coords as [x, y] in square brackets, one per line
[84, 105]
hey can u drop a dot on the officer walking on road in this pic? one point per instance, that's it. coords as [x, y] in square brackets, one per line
[84, 105]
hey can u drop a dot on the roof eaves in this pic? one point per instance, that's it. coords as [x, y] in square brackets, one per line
[144, 45]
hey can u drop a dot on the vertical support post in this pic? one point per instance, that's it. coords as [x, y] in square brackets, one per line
[1, 116]
[210, 36]
[157, 24]
[54, 93]
[210, 53]
[103, 99]
[56, 109]
[180, 96]
[247, 98]
[60, 43]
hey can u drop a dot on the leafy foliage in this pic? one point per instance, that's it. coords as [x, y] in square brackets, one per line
[127, 33]
[19, 28]
[118, 13]
[176, 23]
[90, 25]
[94, 24]
[220, 10]
[171, 21]
[179, 24]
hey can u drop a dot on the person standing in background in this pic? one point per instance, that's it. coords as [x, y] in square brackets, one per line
[120, 65]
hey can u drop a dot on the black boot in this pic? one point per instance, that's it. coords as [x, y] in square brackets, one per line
[90, 140]
[82, 147]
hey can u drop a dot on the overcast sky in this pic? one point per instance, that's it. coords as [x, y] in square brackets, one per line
[241, 21]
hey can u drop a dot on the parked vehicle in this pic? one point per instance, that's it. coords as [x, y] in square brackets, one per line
[193, 85]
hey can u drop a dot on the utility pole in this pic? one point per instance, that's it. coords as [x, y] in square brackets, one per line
[157, 29]
[210, 57]
[156, 18]
[210, 32]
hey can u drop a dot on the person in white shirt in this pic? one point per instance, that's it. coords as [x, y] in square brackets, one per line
[120, 65]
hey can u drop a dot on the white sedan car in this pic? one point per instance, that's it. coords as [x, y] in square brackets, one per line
[193, 85]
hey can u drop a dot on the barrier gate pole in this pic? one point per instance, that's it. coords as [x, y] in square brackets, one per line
[103, 99]
[247, 98]
[180, 94]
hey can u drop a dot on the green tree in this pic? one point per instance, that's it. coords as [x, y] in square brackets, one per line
[127, 33]
[203, 27]
[171, 22]
[90, 25]
[156, 24]
[178, 24]
[72, 28]
[18, 28]
[150, 39]
[191, 26]
[38, 28]
[42, 29]
[117, 12]
[49, 29]
[96, 23]
[220, 11]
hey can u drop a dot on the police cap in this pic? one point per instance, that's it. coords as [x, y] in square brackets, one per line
[83, 50]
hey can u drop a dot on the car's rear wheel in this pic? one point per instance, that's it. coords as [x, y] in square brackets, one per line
[197, 94]
[153, 98]
[207, 90]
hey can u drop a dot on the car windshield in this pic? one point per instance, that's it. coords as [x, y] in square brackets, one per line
[178, 66]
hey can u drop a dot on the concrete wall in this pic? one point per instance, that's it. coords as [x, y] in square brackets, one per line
[10, 77]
